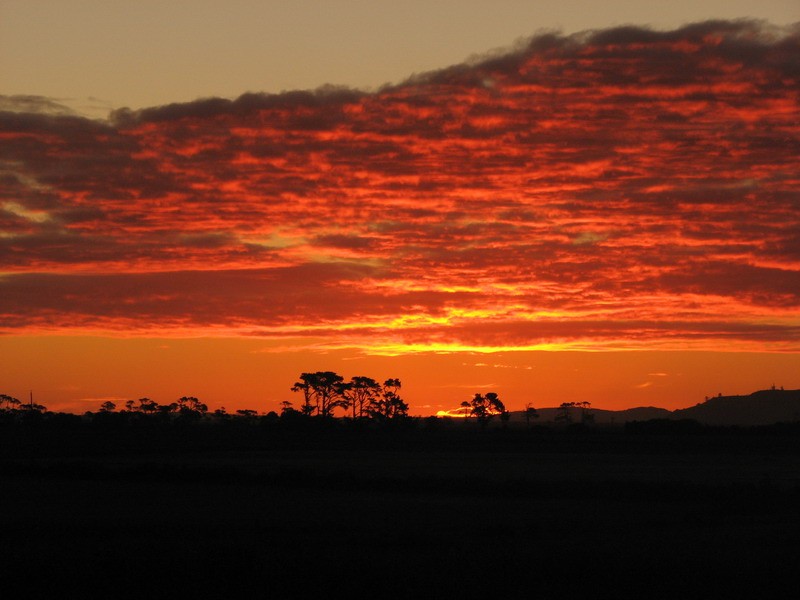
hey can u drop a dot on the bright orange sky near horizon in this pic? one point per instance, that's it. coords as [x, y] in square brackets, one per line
[611, 217]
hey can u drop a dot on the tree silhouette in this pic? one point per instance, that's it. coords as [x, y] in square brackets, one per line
[166, 409]
[388, 404]
[485, 407]
[359, 394]
[147, 406]
[564, 415]
[107, 406]
[30, 407]
[304, 385]
[8, 402]
[190, 404]
[466, 409]
[587, 418]
[321, 392]
[530, 414]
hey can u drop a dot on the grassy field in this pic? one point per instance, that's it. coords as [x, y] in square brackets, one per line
[444, 515]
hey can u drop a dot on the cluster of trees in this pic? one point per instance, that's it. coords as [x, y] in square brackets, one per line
[361, 397]
[184, 405]
[9, 403]
[565, 415]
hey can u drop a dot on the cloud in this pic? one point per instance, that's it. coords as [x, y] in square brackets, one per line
[616, 188]
[34, 105]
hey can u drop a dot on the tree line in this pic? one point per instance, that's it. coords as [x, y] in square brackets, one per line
[323, 394]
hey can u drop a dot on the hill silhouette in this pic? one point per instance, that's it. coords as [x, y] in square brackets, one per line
[763, 407]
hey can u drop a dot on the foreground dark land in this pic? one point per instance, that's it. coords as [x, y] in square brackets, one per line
[434, 510]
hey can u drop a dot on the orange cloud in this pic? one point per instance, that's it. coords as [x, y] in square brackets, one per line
[620, 189]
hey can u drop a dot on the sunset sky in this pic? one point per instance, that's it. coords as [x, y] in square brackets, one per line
[545, 200]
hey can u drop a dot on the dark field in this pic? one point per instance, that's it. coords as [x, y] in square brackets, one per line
[416, 514]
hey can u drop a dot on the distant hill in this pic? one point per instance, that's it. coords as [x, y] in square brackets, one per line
[759, 408]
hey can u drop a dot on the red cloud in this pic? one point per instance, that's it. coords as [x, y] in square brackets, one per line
[622, 187]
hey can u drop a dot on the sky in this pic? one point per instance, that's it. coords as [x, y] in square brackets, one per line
[546, 200]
